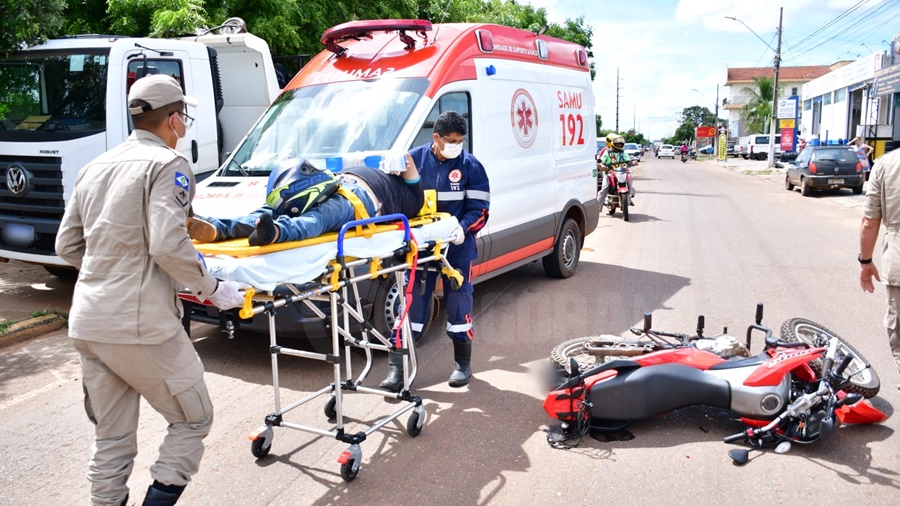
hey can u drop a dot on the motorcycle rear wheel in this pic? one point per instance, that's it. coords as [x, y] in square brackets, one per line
[578, 349]
[866, 383]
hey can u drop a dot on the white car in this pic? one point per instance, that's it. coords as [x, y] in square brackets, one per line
[633, 151]
[666, 150]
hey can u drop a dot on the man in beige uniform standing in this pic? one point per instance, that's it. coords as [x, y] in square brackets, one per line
[125, 230]
[883, 204]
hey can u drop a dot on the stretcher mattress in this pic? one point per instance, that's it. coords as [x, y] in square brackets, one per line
[298, 262]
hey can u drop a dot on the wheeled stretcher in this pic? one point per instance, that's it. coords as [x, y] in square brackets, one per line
[330, 268]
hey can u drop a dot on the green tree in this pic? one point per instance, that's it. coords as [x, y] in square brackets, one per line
[757, 112]
[599, 124]
[30, 22]
[698, 115]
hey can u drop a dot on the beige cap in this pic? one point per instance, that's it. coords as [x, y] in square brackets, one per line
[157, 90]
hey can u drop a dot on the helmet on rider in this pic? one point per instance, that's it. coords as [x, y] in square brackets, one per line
[615, 141]
[295, 186]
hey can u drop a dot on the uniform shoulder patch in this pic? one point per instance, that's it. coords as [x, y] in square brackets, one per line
[182, 189]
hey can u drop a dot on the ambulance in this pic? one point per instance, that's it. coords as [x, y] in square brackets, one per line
[379, 86]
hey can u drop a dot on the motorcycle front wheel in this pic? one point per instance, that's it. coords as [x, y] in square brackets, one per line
[623, 198]
[864, 381]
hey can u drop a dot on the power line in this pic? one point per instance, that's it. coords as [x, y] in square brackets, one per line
[851, 26]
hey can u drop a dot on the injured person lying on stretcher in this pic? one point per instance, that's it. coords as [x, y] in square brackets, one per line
[303, 202]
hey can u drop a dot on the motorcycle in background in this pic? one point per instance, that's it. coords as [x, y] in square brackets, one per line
[619, 178]
[797, 391]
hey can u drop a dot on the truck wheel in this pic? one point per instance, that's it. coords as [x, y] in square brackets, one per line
[563, 261]
[61, 272]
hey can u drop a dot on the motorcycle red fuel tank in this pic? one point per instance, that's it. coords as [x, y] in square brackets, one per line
[782, 361]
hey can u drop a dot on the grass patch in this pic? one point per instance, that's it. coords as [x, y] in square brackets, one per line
[4, 326]
[764, 172]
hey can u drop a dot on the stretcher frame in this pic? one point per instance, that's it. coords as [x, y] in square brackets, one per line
[339, 287]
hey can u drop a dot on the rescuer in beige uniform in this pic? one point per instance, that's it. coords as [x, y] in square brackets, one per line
[124, 229]
[883, 204]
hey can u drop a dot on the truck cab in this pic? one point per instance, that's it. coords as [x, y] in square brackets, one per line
[64, 103]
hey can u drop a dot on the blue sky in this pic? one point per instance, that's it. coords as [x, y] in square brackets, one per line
[665, 49]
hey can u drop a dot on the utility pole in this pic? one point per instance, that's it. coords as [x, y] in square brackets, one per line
[617, 99]
[774, 94]
[716, 136]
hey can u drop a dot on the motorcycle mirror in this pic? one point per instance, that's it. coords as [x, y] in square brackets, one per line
[739, 456]
[850, 399]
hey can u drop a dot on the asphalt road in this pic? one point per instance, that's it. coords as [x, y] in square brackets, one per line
[703, 239]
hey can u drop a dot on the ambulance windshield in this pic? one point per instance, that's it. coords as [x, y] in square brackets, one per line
[49, 96]
[318, 122]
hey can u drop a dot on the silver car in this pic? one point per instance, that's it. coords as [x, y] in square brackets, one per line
[633, 150]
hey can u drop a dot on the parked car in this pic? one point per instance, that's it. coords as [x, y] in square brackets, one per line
[666, 151]
[706, 150]
[825, 167]
[756, 147]
[729, 151]
[633, 150]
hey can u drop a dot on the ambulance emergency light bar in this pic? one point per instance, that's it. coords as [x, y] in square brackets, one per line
[390, 162]
[363, 29]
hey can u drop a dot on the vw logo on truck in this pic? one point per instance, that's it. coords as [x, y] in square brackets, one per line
[17, 179]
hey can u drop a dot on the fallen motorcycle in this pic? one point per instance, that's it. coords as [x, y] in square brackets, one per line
[796, 391]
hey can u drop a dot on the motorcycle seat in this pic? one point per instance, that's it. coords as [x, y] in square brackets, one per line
[744, 362]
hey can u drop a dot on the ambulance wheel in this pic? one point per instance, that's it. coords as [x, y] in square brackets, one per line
[330, 410]
[260, 447]
[386, 304]
[562, 262]
[412, 425]
[347, 472]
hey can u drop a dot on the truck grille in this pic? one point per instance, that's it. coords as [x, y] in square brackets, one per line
[41, 207]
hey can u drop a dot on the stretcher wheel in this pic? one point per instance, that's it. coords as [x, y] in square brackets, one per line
[330, 410]
[347, 471]
[260, 447]
[412, 425]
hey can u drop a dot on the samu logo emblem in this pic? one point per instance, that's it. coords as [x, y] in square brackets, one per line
[16, 179]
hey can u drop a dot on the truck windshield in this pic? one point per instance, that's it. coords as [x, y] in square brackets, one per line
[52, 96]
[329, 120]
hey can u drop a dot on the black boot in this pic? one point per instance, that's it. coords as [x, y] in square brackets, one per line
[162, 495]
[394, 380]
[462, 367]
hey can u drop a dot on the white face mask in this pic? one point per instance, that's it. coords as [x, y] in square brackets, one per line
[181, 143]
[451, 150]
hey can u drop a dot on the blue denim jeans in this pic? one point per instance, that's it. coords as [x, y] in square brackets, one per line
[329, 216]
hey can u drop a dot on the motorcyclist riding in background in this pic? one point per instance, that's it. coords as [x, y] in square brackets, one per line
[684, 148]
[613, 155]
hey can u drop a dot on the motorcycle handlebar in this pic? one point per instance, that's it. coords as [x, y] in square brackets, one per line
[844, 363]
[736, 437]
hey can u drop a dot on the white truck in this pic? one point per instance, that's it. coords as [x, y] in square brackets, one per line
[756, 147]
[62, 103]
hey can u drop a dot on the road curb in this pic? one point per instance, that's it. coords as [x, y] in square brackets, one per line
[32, 327]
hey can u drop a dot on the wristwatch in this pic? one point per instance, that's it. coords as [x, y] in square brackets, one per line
[862, 260]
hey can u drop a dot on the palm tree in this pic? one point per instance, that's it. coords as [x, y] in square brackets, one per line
[757, 112]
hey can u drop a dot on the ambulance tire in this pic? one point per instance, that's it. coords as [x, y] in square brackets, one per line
[386, 307]
[562, 262]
